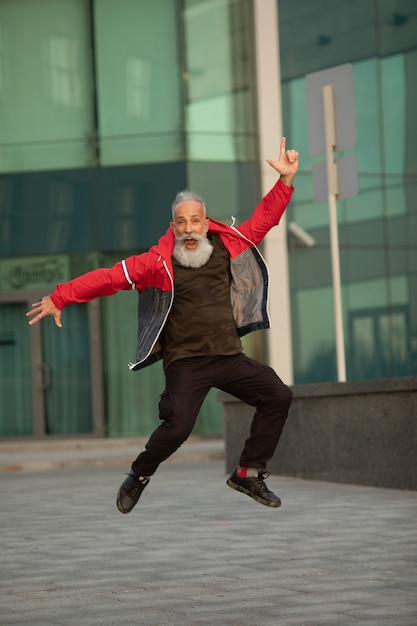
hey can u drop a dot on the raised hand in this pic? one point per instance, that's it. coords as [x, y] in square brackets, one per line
[287, 164]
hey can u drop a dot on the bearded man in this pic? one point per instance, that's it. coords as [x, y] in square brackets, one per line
[201, 288]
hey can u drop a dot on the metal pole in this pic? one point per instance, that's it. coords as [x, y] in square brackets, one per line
[333, 190]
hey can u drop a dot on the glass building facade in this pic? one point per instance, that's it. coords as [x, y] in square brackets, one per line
[378, 226]
[107, 109]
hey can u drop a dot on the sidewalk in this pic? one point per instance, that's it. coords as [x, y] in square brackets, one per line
[54, 453]
[195, 552]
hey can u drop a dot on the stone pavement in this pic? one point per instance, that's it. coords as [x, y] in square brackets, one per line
[197, 553]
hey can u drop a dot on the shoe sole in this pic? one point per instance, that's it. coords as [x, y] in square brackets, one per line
[119, 506]
[270, 503]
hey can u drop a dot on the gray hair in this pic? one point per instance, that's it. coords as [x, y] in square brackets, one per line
[186, 195]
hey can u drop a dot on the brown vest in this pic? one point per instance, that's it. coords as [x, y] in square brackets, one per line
[201, 321]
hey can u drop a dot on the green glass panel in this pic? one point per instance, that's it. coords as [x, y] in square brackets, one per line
[394, 332]
[138, 81]
[396, 198]
[316, 35]
[131, 397]
[15, 374]
[295, 125]
[394, 89]
[399, 93]
[314, 333]
[377, 227]
[67, 373]
[368, 149]
[372, 294]
[45, 108]
[376, 329]
[379, 341]
[220, 119]
[396, 24]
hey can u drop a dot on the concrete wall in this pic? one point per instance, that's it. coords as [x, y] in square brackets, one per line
[362, 432]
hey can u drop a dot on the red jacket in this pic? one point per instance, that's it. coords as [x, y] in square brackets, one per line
[151, 274]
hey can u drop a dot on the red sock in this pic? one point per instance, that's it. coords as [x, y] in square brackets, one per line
[241, 471]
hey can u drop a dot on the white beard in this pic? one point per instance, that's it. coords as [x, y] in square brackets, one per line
[192, 258]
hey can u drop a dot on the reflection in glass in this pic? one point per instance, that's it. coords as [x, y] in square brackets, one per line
[379, 343]
[138, 82]
[138, 86]
[62, 71]
[219, 80]
[45, 111]
[377, 228]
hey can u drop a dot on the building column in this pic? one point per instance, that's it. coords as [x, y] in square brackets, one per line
[270, 133]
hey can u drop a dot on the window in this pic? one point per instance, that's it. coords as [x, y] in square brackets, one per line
[138, 81]
[45, 106]
[219, 81]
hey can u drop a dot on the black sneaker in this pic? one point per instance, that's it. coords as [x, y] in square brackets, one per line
[130, 492]
[254, 487]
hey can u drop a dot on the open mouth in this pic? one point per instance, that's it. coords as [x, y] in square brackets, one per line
[190, 244]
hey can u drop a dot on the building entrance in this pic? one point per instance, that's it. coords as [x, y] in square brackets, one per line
[46, 381]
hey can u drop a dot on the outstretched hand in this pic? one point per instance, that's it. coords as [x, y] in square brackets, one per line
[42, 309]
[287, 165]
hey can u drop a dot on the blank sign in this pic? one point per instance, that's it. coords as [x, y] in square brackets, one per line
[341, 78]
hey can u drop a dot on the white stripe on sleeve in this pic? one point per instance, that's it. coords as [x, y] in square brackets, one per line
[126, 273]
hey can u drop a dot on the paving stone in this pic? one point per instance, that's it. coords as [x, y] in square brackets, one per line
[196, 553]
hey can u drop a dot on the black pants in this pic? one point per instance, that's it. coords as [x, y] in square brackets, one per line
[188, 381]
